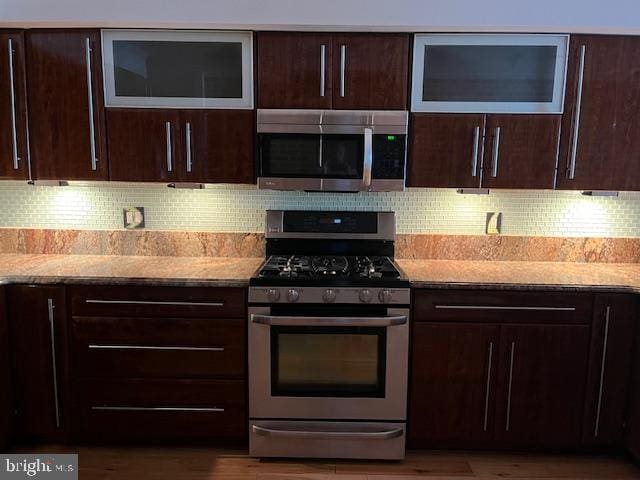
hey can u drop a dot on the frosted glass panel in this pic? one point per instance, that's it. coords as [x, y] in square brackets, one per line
[489, 73]
[177, 69]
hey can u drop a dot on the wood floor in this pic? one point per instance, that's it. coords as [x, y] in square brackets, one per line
[137, 463]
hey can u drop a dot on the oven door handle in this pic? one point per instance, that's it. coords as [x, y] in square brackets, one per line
[328, 435]
[329, 321]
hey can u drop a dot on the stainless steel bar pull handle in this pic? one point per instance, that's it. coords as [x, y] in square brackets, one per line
[488, 387]
[474, 154]
[167, 129]
[343, 66]
[323, 59]
[12, 93]
[156, 409]
[496, 153]
[156, 348]
[92, 128]
[576, 117]
[272, 320]
[513, 352]
[50, 308]
[602, 371]
[188, 142]
[153, 302]
[327, 435]
[368, 158]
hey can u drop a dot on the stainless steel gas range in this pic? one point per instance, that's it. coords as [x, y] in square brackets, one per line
[328, 338]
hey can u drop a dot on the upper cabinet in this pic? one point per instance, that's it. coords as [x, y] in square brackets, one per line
[340, 71]
[14, 160]
[66, 114]
[476, 73]
[600, 143]
[178, 69]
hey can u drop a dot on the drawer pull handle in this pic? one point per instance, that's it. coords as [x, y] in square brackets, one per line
[151, 302]
[145, 347]
[491, 307]
[158, 409]
[327, 435]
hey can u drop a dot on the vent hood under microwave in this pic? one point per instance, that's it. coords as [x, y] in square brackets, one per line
[332, 150]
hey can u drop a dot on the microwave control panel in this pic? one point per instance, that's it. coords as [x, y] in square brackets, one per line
[389, 153]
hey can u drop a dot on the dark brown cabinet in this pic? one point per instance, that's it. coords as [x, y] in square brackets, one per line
[498, 369]
[633, 424]
[162, 145]
[611, 353]
[541, 385]
[483, 151]
[37, 321]
[600, 144]
[14, 158]
[342, 71]
[158, 364]
[454, 368]
[66, 110]
[6, 400]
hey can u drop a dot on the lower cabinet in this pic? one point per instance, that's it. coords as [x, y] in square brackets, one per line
[633, 425]
[609, 379]
[498, 370]
[37, 318]
[158, 364]
[6, 405]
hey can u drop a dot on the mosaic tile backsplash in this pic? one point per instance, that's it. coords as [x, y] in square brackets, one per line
[225, 208]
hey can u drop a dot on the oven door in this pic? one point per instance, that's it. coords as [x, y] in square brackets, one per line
[338, 159]
[333, 363]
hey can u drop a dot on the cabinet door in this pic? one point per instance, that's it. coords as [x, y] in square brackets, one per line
[14, 160]
[611, 353]
[370, 71]
[541, 385]
[445, 150]
[66, 114]
[633, 423]
[294, 70]
[37, 319]
[6, 403]
[452, 384]
[145, 145]
[600, 141]
[218, 146]
[521, 151]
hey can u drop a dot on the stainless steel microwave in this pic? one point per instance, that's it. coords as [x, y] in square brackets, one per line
[332, 150]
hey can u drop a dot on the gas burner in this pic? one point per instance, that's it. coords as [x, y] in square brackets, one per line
[330, 266]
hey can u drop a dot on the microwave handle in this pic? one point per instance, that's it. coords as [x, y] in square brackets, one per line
[329, 321]
[368, 158]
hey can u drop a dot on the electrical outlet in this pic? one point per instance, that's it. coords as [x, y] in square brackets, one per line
[133, 217]
[494, 223]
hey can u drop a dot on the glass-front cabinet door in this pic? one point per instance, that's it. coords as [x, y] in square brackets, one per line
[475, 73]
[180, 69]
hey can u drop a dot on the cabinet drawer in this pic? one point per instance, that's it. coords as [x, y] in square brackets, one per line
[160, 410]
[158, 347]
[159, 302]
[503, 307]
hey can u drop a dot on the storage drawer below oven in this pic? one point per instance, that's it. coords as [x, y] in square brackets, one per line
[356, 440]
[159, 410]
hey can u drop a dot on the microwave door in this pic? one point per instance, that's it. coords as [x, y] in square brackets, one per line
[290, 161]
[343, 165]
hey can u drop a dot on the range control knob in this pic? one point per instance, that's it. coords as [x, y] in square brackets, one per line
[329, 296]
[273, 294]
[293, 295]
[385, 296]
[366, 296]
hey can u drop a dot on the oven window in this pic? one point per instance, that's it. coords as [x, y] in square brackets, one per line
[342, 156]
[328, 362]
[290, 155]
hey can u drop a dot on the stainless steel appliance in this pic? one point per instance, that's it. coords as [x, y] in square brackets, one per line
[332, 150]
[328, 338]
